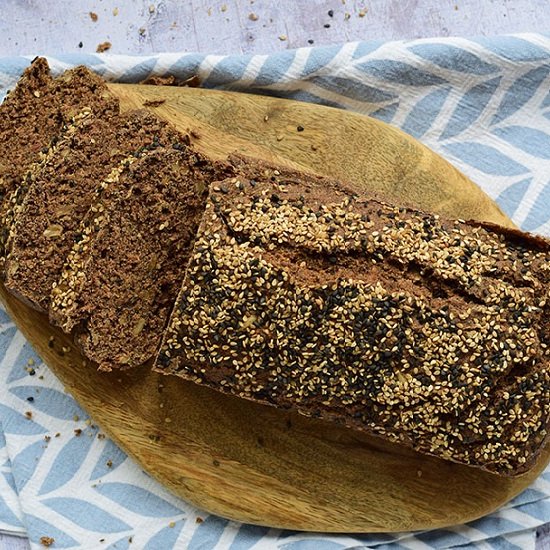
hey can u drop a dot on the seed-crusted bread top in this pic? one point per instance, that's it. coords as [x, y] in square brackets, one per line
[62, 189]
[428, 332]
[33, 114]
[121, 278]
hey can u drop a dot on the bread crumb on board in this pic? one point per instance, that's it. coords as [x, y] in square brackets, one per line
[93, 16]
[47, 541]
[153, 102]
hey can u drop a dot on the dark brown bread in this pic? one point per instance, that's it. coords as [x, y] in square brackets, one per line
[63, 188]
[432, 333]
[32, 116]
[122, 277]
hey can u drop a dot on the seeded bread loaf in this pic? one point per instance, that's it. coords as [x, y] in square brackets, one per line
[431, 333]
[32, 116]
[121, 278]
[62, 190]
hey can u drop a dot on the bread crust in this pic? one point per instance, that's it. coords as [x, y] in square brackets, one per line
[433, 333]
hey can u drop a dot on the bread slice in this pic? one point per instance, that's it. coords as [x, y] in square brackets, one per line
[32, 116]
[428, 332]
[62, 190]
[122, 277]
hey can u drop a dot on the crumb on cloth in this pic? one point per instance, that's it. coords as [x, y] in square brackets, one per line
[171, 80]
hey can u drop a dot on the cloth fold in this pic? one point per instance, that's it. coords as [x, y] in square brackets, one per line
[484, 104]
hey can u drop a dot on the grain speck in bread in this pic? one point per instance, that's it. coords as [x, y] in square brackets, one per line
[432, 333]
[122, 277]
[61, 191]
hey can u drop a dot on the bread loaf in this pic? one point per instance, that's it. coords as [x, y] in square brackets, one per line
[31, 118]
[298, 292]
[428, 332]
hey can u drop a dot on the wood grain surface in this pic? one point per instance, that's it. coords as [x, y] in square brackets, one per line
[323, 140]
[254, 463]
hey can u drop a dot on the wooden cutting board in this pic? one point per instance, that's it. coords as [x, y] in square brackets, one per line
[254, 463]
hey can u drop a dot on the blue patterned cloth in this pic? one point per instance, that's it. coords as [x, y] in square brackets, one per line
[482, 103]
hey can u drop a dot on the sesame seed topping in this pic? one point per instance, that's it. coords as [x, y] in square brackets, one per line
[393, 321]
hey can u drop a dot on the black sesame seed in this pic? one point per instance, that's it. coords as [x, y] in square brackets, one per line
[163, 359]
